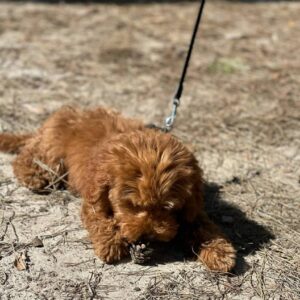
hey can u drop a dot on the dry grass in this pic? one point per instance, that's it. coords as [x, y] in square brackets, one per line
[239, 113]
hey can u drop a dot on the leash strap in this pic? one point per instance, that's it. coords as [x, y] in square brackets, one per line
[169, 121]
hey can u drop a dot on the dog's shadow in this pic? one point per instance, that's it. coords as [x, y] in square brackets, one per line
[246, 235]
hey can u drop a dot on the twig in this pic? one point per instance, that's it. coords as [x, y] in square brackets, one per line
[61, 178]
[62, 232]
[45, 167]
[260, 278]
[92, 285]
[51, 171]
[80, 263]
[13, 226]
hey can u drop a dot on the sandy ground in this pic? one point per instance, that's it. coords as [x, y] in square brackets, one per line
[240, 113]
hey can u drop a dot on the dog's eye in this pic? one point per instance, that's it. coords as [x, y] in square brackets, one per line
[169, 205]
[172, 205]
[137, 174]
[128, 204]
[127, 190]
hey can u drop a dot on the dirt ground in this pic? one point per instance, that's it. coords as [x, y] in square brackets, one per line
[240, 113]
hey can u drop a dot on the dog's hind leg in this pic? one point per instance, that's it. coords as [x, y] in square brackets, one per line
[34, 169]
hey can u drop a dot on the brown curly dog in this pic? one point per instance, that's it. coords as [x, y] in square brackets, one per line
[136, 183]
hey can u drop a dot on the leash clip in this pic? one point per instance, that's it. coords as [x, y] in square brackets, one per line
[169, 121]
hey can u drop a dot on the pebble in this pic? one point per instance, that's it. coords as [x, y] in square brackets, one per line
[37, 242]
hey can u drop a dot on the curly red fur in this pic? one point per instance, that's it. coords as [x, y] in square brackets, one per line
[135, 182]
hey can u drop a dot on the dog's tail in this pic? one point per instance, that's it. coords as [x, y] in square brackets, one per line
[12, 143]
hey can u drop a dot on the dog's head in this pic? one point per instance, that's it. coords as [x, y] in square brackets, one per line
[152, 182]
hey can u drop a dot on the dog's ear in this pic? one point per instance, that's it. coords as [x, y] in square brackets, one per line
[194, 205]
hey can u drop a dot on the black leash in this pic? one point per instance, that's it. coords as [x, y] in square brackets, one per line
[176, 99]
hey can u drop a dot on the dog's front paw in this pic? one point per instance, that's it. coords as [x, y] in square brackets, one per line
[112, 252]
[218, 255]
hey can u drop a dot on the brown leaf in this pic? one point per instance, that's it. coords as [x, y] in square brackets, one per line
[20, 261]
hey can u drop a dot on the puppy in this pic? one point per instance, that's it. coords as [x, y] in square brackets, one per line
[136, 183]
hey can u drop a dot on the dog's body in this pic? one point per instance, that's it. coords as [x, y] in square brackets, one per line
[136, 183]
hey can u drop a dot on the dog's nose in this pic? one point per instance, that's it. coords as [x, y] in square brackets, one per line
[144, 238]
